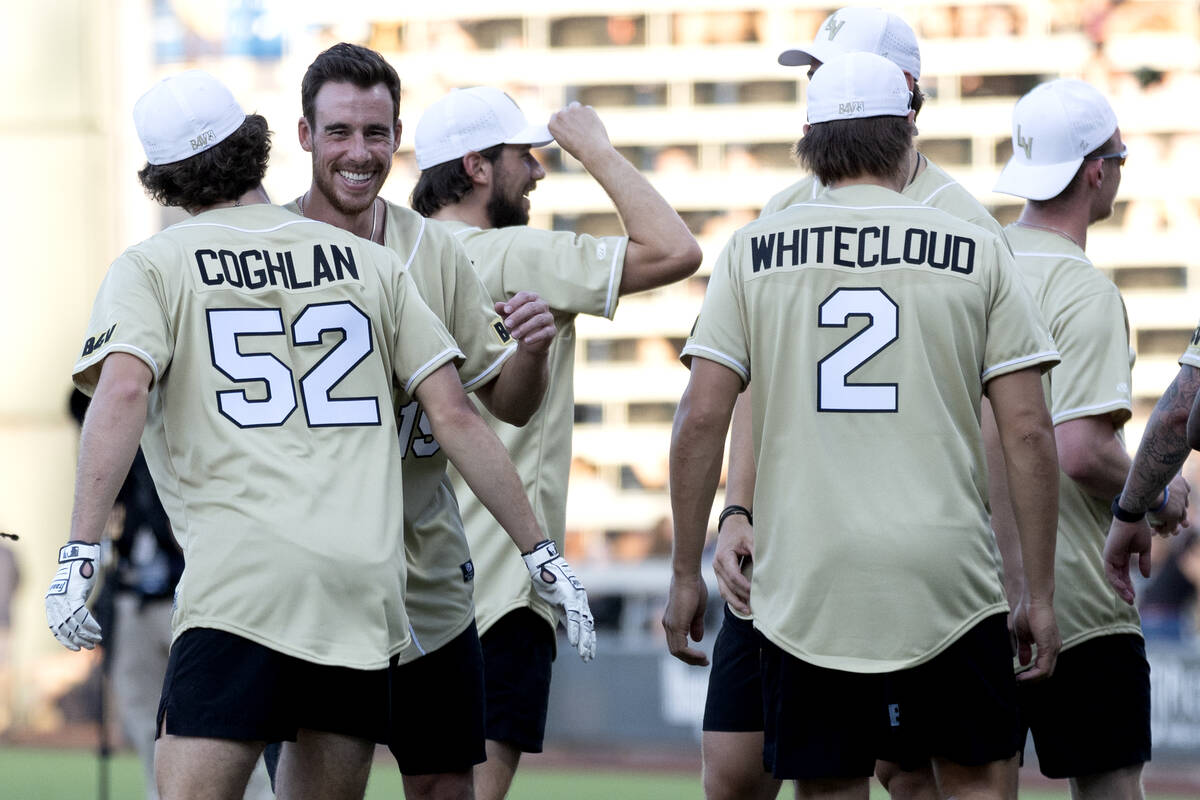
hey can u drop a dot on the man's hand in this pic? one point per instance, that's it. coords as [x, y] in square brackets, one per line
[1175, 515]
[684, 616]
[1034, 625]
[1125, 539]
[66, 611]
[735, 547]
[527, 317]
[555, 583]
[578, 130]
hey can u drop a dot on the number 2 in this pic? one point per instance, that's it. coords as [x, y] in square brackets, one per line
[834, 392]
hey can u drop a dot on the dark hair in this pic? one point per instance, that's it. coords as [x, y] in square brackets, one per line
[348, 63]
[848, 148]
[224, 172]
[918, 99]
[446, 183]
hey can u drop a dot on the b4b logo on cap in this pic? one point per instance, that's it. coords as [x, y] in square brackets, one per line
[853, 107]
[203, 140]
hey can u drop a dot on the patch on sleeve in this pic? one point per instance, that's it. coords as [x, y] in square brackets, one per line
[501, 332]
[601, 250]
[468, 571]
[94, 343]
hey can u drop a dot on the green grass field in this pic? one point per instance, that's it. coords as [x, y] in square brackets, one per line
[33, 774]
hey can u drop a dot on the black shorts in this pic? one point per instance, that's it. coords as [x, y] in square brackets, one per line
[517, 653]
[735, 700]
[961, 706]
[219, 685]
[438, 709]
[1093, 714]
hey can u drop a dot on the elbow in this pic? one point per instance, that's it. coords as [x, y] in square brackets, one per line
[685, 259]
[1080, 466]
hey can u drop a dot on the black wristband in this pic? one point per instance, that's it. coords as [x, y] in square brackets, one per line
[1123, 515]
[731, 510]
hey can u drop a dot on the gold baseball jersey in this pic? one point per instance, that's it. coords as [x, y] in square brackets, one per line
[1087, 319]
[870, 325]
[574, 274]
[276, 345]
[933, 187]
[440, 570]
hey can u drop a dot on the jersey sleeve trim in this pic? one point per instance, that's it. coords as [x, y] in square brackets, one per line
[937, 191]
[449, 354]
[1190, 359]
[614, 286]
[1048, 357]
[709, 354]
[91, 361]
[1095, 410]
[490, 372]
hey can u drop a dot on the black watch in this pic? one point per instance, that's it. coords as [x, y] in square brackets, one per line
[1123, 515]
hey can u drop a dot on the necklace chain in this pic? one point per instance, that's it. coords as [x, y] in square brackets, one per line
[374, 213]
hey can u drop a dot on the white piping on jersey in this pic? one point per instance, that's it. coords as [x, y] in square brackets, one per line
[699, 349]
[1052, 255]
[913, 206]
[611, 299]
[120, 347]
[416, 642]
[505, 356]
[938, 191]
[236, 228]
[440, 356]
[1089, 411]
[417, 243]
[1021, 360]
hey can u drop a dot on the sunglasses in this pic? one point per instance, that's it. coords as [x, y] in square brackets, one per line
[1121, 155]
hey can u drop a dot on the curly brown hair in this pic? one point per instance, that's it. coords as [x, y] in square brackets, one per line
[224, 172]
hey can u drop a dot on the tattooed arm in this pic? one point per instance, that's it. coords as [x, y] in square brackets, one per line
[1162, 452]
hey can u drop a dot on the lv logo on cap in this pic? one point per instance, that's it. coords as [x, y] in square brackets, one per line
[833, 26]
[1025, 144]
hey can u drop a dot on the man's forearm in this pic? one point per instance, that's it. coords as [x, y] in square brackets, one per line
[516, 393]
[739, 482]
[108, 442]
[1164, 445]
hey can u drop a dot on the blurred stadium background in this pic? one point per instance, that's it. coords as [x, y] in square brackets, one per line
[691, 93]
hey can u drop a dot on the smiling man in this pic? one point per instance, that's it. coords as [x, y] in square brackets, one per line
[473, 147]
[350, 99]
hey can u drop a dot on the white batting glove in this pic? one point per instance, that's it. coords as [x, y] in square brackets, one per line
[555, 583]
[66, 611]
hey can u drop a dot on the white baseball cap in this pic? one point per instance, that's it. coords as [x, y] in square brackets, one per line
[868, 30]
[474, 119]
[185, 114]
[855, 86]
[1054, 126]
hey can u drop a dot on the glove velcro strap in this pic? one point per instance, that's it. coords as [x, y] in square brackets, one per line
[78, 551]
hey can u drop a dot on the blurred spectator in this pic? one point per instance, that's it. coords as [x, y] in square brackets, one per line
[1167, 601]
[10, 578]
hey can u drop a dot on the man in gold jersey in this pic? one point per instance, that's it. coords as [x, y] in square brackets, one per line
[255, 355]
[731, 742]
[473, 147]
[1067, 162]
[876, 325]
[350, 99]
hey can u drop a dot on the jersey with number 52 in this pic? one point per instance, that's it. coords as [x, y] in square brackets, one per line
[275, 345]
[870, 325]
